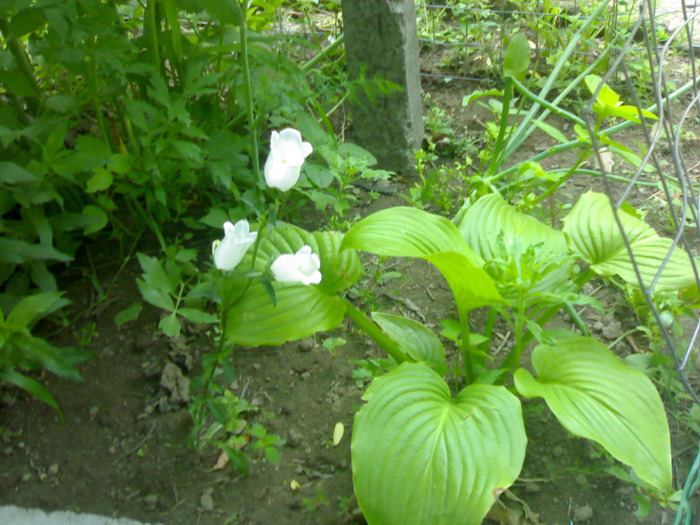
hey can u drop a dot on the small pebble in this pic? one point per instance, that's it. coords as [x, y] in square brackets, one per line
[612, 330]
[294, 438]
[142, 342]
[151, 501]
[306, 345]
[206, 502]
[583, 513]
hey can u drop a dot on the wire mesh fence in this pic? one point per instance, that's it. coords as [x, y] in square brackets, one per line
[651, 48]
[470, 37]
[672, 138]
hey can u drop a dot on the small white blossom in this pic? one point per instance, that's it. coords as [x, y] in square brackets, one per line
[302, 267]
[237, 239]
[287, 154]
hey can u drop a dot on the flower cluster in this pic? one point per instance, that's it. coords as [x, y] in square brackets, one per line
[282, 169]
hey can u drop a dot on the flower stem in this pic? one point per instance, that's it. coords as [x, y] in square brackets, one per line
[323, 54]
[226, 306]
[249, 107]
[371, 329]
[550, 312]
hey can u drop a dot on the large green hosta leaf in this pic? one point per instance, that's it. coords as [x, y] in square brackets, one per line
[593, 235]
[421, 457]
[340, 268]
[484, 221]
[408, 232]
[299, 311]
[596, 396]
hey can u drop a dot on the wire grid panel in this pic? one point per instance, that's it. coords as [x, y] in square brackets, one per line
[677, 178]
[472, 35]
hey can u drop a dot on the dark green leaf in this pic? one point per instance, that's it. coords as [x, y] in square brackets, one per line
[11, 173]
[170, 325]
[128, 314]
[15, 251]
[197, 316]
[31, 386]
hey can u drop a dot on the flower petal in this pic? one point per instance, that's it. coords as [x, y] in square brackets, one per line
[284, 270]
[306, 149]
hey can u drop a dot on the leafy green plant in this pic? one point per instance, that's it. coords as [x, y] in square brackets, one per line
[175, 286]
[520, 111]
[312, 504]
[575, 375]
[120, 117]
[21, 351]
[468, 447]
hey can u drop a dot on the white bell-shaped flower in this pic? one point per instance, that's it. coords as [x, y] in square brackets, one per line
[302, 267]
[230, 251]
[287, 154]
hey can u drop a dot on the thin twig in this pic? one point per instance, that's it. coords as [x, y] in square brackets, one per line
[137, 447]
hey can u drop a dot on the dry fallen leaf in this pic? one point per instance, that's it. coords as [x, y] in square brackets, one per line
[221, 461]
[514, 512]
[338, 432]
[243, 440]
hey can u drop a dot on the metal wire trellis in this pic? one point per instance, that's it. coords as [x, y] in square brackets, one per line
[463, 16]
[678, 187]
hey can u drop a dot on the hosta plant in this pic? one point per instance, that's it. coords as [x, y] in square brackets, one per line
[427, 451]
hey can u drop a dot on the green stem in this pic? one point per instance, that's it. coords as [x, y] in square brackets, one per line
[323, 54]
[526, 127]
[363, 322]
[91, 70]
[466, 348]
[135, 206]
[550, 312]
[555, 186]
[576, 319]
[23, 63]
[328, 113]
[548, 105]
[150, 29]
[560, 148]
[226, 306]
[249, 107]
[497, 157]
[132, 146]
